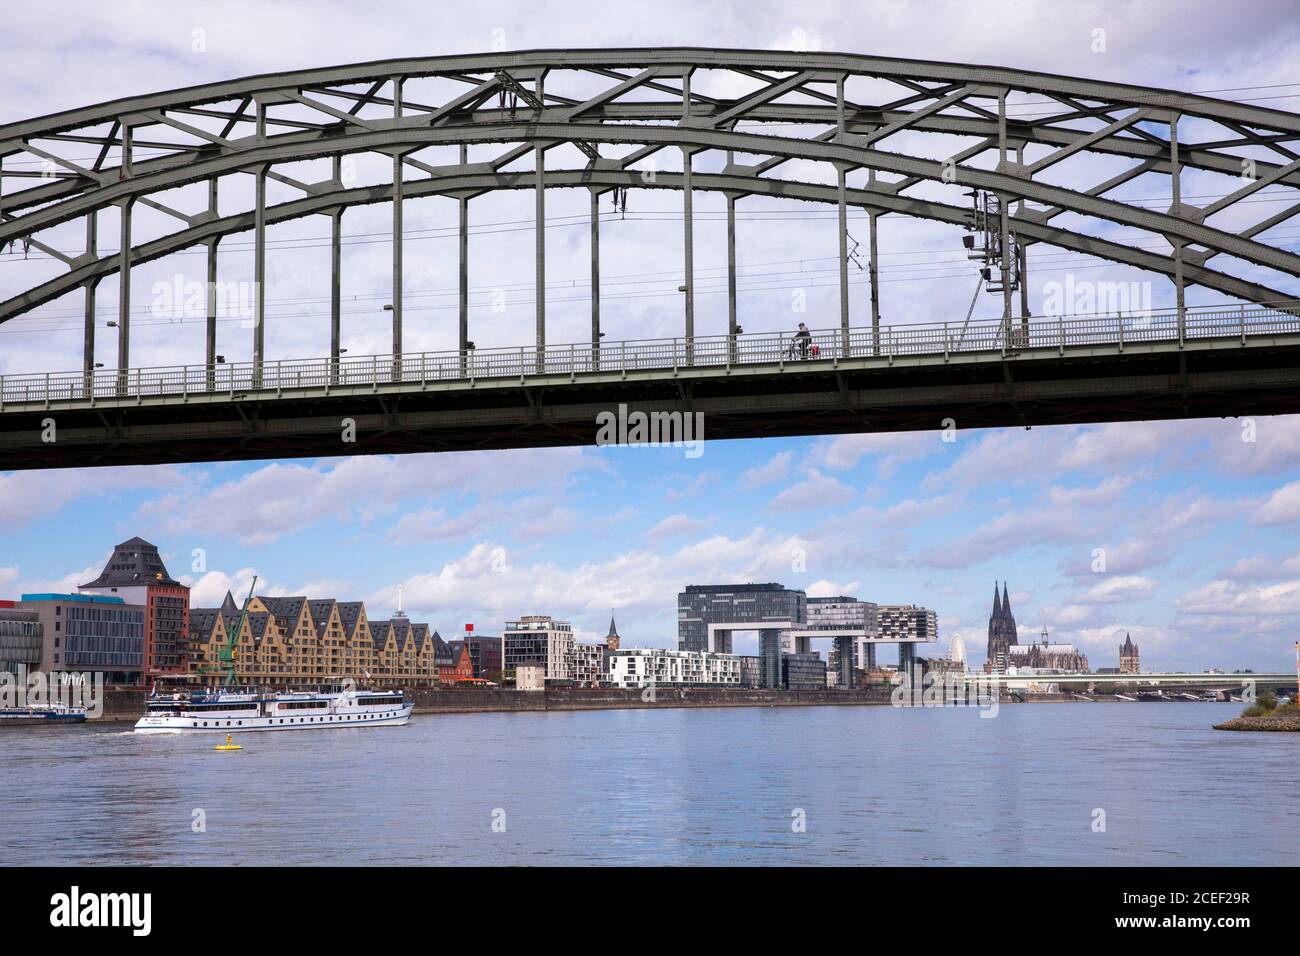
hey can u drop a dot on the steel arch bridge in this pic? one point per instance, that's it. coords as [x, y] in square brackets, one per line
[881, 130]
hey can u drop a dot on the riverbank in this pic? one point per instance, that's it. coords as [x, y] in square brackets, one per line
[127, 703]
[480, 700]
[1287, 722]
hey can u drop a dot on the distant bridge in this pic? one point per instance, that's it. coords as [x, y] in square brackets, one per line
[1117, 682]
[619, 110]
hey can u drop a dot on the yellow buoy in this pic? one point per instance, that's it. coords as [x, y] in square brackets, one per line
[228, 745]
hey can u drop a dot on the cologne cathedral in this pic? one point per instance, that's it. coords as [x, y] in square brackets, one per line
[1002, 632]
[1006, 651]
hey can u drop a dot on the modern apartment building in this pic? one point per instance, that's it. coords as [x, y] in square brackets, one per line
[639, 667]
[907, 623]
[587, 665]
[803, 672]
[90, 632]
[538, 639]
[855, 627]
[723, 608]
[20, 638]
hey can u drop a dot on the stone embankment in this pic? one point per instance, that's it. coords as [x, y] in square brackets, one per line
[1284, 721]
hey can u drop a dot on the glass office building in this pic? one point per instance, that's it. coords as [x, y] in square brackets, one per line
[20, 638]
[744, 604]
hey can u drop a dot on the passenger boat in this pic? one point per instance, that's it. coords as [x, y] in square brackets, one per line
[234, 712]
[41, 716]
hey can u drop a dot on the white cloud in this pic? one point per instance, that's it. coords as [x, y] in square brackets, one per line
[1281, 507]
[285, 497]
[1113, 590]
[678, 525]
[774, 469]
[891, 449]
[815, 491]
[210, 588]
[824, 588]
[26, 496]
[1220, 597]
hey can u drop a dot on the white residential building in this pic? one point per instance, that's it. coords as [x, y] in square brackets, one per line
[587, 664]
[637, 667]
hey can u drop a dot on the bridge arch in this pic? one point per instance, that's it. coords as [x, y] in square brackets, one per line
[846, 112]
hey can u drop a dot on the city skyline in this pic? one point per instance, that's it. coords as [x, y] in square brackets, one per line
[1196, 565]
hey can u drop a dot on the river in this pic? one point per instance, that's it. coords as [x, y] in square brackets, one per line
[734, 786]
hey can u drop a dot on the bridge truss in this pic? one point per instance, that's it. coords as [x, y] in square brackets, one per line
[849, 131]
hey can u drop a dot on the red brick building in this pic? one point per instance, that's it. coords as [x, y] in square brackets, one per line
[454, 662]
[136, 574]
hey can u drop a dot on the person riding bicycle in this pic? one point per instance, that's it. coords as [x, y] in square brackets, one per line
[802, 339]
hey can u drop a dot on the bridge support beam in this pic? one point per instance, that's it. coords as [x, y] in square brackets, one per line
[210, 329]
[688, 255]
[336, 293]
[844, 224]
[733, 326]
[462, 281]
[88, 344]
[873, 274]
[688, 225]
[124, 270]
[539, 295]
[259, 257]
[1022, 264]
[124, 296]
[1175, 179]
[595, 280]
[1004, 232]
[844, 267]
[397, 238]
[336, 278]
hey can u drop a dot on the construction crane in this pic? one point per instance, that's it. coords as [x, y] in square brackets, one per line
[229, 652]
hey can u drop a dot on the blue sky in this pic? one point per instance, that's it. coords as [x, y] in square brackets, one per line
[1197, 525]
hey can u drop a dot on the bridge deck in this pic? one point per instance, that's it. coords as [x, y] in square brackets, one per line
[1226, 361]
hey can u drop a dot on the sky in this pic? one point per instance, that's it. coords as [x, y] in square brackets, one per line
[1180, 533]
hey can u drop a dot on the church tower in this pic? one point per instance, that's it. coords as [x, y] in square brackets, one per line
[1128, 656]
[1002, 632]
[611, 639]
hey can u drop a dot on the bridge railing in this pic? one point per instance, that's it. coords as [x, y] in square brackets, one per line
[1228, 323]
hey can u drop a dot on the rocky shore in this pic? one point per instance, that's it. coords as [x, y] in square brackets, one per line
[1288, 721]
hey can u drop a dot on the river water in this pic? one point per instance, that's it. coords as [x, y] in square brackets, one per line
[739, 786]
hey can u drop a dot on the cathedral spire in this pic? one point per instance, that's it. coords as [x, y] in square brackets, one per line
[1006, 601]
[997, 601]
